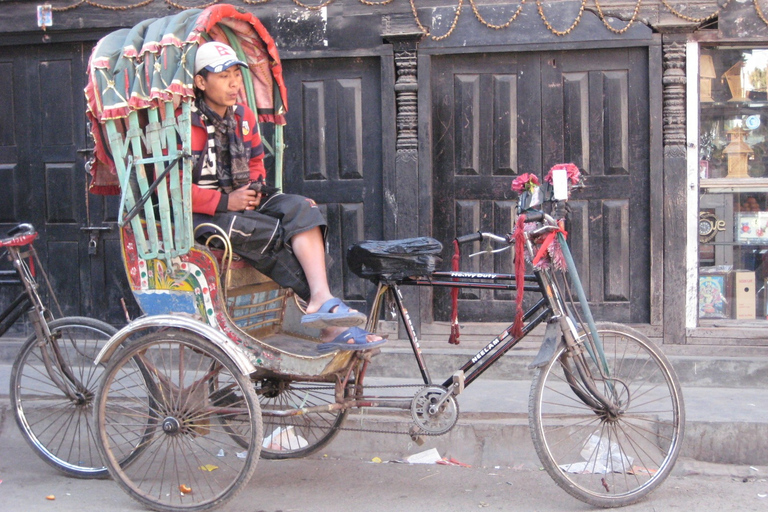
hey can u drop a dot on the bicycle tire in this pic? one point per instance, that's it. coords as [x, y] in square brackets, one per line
[56, 427]
[191, 464]
[603, 460]
[292, 437]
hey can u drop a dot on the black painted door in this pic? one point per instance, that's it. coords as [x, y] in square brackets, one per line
[497, 116]
[334, 154]
[42, 138]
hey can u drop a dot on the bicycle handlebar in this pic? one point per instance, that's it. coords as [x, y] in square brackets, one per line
[531, 216]
[534, 216]
[473, 237]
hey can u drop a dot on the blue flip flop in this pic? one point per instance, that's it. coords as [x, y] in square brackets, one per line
[342, 341]
[342, 317]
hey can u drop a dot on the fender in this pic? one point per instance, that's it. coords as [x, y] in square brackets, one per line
[230, 348]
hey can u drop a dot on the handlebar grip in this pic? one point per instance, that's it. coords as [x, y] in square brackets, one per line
[474, 237]
[534, 217]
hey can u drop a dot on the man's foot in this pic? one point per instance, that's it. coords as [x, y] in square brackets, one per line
[353, 338]
[333, 312]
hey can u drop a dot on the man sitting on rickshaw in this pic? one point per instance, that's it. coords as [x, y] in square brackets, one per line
[281, 235]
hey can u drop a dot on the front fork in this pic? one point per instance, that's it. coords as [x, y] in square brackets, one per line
[40, 316]
[574, 349]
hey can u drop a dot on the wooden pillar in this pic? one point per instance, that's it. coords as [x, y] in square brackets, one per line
[675, 180]
[401, 189]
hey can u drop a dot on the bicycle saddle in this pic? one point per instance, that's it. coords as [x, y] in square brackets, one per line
[23, 234]
[394, 259]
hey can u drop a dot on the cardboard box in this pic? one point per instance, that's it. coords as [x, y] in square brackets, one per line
[744, 293]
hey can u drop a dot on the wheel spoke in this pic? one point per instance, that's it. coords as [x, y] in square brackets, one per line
[297, 436]
[182, 455]
[609, 458]
[57, 427]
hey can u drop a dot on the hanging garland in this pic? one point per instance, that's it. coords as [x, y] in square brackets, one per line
[629, 23]
[491, 25]
[374, 4]
[119, 7]
[426, 30]
[691, 19]
[313, 7]
[553, 29]
[68, 8]
[759, 12]
[184, 7]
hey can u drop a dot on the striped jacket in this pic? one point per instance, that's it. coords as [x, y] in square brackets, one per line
[210, 200]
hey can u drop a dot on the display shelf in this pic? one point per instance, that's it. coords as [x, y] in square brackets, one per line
[728, 185]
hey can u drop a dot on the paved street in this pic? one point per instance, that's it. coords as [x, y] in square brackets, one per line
[328, 483]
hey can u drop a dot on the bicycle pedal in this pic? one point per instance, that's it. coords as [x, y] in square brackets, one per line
[458, 382]
[415, 437]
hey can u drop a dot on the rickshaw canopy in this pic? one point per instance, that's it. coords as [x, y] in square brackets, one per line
[152, 64]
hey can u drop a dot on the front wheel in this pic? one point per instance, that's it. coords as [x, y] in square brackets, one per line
[52, 390]
[161, 383]
[608, 457]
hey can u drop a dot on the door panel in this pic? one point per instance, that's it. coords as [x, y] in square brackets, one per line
[498, 116]
[42, 165]
[482, 112]
[334, 141]
[56, 171]
[599, 120]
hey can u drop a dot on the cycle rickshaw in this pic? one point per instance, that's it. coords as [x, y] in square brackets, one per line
[214, 375]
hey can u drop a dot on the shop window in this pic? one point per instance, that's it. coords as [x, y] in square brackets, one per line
[733, 172]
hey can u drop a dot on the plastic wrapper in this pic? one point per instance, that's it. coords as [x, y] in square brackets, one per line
[394, 259]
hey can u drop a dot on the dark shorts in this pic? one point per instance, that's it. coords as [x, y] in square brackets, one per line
[263, 237]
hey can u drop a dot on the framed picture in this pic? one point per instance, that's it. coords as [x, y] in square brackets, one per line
[704, 169]
[752, 227]
[714, 295]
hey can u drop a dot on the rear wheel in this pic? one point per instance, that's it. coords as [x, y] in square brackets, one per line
[58, 424]
[608, 458]
[191, 462]
[288, 437]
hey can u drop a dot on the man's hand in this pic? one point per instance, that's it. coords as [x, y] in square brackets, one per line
[243, 199]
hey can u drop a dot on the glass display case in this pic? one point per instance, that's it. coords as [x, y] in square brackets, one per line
[733, 172]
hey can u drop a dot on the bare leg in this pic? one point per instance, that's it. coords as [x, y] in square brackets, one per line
[309, 248]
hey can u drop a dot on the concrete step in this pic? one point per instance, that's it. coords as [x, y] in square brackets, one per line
[726, 409]
[399, 362]
[696, 371]
[722, 426]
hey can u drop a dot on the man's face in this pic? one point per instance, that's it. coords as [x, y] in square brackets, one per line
[220, 89]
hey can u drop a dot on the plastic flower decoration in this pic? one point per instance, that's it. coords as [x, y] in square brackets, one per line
[574, 175]
[525, 182]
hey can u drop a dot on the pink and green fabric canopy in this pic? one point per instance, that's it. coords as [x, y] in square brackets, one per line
[152, 63]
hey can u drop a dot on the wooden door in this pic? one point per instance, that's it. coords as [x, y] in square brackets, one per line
[42, 155]
[334, 154]
[496, 116]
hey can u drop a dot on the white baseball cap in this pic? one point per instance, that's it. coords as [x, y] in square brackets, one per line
[216, 57]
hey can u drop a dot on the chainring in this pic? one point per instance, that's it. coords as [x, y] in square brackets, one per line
[435, 422]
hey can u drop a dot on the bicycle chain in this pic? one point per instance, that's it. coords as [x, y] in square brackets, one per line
[414, 431]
